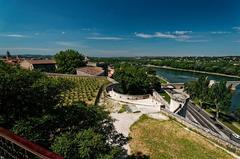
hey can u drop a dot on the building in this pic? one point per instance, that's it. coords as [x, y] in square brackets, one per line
[42, 65]
[90, 71]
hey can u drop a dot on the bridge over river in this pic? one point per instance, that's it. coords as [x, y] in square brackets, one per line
[232, 84]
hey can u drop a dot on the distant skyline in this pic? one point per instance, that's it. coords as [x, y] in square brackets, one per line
[121, 27]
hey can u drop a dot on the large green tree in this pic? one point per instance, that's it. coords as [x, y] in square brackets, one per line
[25, 93]
[76, 131]
[68, 61]
[136, 80]
[220, 96]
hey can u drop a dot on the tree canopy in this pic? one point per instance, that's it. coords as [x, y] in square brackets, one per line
[68, 61]
[218, 96]
[30, 105]
[23, 91]
[136, 80]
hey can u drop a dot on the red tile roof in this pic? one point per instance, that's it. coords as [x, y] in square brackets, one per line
[41, 61]
[91, 70]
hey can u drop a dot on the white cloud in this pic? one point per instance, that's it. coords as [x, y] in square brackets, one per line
[104, 38]
[182, 32]
[86, 29]
[220, 32]
[28, 48]
[71, 44]
[66, 43]
[237, 28]
[181, 36]
[174, 35]
[14, 35]
[193, 40]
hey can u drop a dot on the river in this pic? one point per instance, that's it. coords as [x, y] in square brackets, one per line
[177, 76]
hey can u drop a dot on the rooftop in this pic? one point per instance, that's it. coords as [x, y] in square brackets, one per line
[41, 61]
[91, 70]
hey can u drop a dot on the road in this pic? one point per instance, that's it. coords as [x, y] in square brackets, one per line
[199, 116]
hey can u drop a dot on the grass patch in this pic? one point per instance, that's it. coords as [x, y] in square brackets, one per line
[163, 81]
[123, 109]
[169, 139]
[165, 96]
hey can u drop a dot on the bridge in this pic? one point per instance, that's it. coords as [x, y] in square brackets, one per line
[233, 84]
[230, 84]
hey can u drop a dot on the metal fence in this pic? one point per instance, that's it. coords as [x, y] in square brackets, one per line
[15, 147]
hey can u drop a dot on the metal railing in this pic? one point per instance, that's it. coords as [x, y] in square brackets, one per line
[15, 147]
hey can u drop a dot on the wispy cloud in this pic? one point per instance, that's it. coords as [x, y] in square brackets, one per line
[15, 35]
[220, 32]
[104, 38]
[194, 40]
[66, 43]
[181, 36]
[177, 35]
[237, 41]
[28, 48]
[236, 28]
[75, 44]
[182, 32]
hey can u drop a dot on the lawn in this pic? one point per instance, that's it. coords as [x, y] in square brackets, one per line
[162, 80]
[85, 89]
[165, 96]
[168, 139]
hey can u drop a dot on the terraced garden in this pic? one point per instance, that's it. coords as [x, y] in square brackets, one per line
[85, 89]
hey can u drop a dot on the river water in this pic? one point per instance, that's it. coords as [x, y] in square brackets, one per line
[177, 76]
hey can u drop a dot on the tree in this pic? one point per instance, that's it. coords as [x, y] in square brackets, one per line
[76, 131]
[237, 113]
[26, 93]
[85, 144]
[135, 80]
[202, 89]
[220, 95]
[8, 54]
[68, 61]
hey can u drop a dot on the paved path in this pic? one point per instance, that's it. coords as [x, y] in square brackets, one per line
[123, 123]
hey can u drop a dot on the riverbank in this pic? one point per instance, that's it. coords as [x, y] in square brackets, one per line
[195, 71]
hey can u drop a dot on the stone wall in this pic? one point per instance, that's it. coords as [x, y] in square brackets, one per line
[159, 98]
[128, 97]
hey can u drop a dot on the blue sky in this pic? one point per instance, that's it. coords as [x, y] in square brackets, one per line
[121, 27]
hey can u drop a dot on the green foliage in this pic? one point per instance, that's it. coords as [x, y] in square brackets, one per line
[237, 113]
[30, 106]
[23, 91]
[85, 144]
[69, 60]
[123, 109]
[218, 95]
[136, 80]
[165, 96]
[77, 128]
[221, 97]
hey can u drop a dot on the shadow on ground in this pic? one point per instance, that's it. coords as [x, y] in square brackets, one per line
[138, 155]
